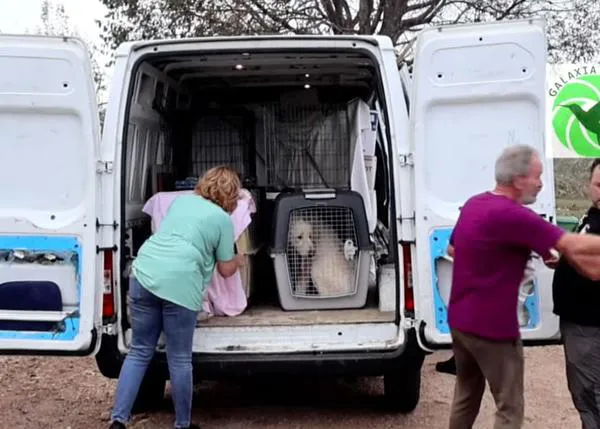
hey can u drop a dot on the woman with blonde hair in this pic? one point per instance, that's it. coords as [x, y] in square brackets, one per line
[169, 279]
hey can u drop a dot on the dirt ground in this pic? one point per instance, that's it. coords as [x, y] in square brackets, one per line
[63, 393]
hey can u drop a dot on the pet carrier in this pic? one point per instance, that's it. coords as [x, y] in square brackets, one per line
[321, 250]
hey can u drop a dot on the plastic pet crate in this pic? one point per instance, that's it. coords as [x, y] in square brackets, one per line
[321, 250]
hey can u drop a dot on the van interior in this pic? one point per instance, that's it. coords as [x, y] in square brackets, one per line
[252, 111]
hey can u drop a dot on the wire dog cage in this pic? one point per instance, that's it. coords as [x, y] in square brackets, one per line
[307, 146]
[223, 138]
[280, 146]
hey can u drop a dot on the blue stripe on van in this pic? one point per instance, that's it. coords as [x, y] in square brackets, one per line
[54, 244]
[438, 242]
[69, 334]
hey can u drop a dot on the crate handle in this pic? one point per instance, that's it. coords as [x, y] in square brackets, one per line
[319, 194]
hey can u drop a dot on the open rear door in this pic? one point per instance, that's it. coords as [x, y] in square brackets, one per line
[476, 89]
[49, 135]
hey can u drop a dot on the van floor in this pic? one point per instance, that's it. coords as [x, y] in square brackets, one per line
[274, 316]
[266, 311]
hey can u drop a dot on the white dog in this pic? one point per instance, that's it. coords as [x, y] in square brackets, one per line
[332, 268]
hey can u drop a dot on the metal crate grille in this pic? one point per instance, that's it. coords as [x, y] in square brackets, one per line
[322, 252]
[220, 140]
[307, 146]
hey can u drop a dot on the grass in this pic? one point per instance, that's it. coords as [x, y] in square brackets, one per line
[570, 182]
[571, 207]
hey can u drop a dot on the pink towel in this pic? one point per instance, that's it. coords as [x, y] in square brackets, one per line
[224, 297]
[158, 205]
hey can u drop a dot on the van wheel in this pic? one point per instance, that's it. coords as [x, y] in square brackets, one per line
[402, 389]
[151, 394]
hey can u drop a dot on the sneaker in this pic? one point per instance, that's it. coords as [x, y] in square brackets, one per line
[117, 425]
[193, 426]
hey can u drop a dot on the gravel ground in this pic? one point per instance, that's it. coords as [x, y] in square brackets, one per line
[70, 393]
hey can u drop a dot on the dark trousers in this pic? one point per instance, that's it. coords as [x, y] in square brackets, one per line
[501, 364]
[582, 358]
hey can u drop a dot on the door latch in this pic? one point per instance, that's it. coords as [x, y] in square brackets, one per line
[406, 159]
[104, 167]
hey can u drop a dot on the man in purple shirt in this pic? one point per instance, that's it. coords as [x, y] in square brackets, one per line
[491, 244]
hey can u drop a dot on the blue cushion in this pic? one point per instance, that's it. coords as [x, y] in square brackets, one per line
[29, 295]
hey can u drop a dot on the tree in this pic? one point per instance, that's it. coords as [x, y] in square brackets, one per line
[575, 36]
[398, 19]
[572, 25]
[134, 19]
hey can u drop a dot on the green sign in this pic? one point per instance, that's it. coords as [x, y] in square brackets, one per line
[576, 110]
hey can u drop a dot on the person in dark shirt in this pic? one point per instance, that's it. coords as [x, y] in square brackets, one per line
[576, 301]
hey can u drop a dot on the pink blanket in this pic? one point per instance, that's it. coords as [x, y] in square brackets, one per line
[224, 297]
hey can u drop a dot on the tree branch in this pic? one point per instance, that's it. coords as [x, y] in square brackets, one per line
[424, 17]
[378, 16]
[365, 9]
[512, 7]
[258, 4]
[417, 6]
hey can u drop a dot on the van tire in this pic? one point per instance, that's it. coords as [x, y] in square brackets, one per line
[402, 389]
[151, 395]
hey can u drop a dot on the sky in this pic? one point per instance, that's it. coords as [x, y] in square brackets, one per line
[25, 15]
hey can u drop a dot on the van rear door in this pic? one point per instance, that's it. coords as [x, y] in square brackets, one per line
[476, 89]
[49, 138]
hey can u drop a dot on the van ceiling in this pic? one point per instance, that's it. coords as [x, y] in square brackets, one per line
[247, 70]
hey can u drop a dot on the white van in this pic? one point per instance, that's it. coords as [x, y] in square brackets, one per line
[71, 216]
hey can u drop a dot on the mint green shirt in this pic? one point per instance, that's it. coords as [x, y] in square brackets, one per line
[177, 262]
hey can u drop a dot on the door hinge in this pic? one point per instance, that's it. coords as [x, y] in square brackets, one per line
[401, 219]
[104, 167]
[406, 159]
[113, 225]
[114, 248]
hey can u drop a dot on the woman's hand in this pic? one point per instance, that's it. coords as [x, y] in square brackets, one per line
[227, 269]
[241, 260]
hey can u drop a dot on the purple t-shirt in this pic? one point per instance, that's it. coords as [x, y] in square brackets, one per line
[493, 240]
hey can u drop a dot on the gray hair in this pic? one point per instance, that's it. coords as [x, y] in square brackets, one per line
[513, 162]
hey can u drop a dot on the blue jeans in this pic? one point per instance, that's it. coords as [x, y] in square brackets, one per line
[149, 316]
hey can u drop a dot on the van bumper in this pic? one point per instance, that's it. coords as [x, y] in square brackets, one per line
[214, 367]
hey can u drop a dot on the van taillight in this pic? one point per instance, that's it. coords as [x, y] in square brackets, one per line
[409, 298]
[108, 305]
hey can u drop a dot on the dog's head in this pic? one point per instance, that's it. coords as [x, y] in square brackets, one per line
[302, 237]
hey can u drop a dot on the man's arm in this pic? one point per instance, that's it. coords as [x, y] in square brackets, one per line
[583, 251]
[588, 266]
[580, 244]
